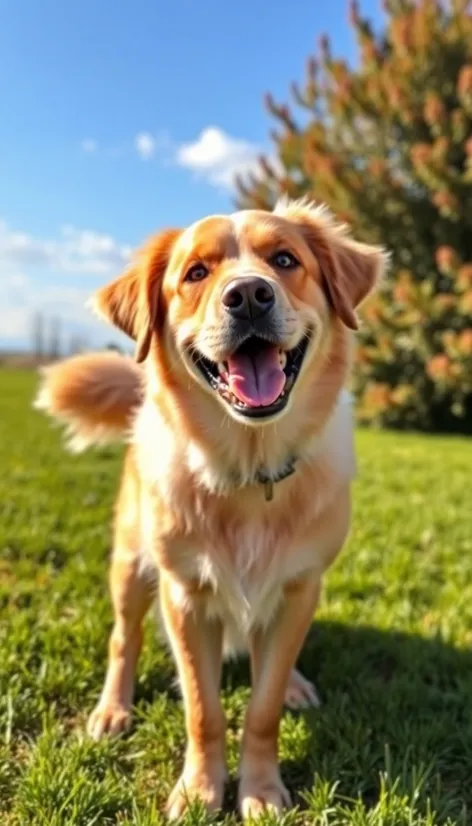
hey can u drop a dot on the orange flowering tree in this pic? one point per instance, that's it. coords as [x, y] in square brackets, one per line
[388, 146]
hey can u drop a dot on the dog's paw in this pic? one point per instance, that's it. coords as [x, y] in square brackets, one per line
[300, 693]
[108, 720]
[261, 792]
[208, 787]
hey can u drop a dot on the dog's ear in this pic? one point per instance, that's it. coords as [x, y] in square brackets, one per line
[350, 270]
[131, 302]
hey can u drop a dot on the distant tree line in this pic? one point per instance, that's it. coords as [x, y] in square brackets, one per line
[50, 341]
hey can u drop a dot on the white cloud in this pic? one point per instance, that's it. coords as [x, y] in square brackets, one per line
[89, 145]
[218, 157]
[145, 145]
[214, 155]
[74, 251]
[32, 280]
[22, 298]
[14, 323]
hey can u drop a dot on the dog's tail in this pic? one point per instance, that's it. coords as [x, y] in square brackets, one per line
[94, 395]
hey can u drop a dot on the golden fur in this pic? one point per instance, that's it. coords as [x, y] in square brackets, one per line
[235, 569]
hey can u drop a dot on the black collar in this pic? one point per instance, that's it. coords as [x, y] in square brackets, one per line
[269, 480]
[263, 477]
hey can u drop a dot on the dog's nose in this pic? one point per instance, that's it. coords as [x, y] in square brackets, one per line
[248, 298]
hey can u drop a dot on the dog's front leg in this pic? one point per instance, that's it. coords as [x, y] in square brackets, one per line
[132, 592]
[275, 651]
[196, 642]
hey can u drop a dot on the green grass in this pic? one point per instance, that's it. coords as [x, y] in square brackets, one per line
[390, 652]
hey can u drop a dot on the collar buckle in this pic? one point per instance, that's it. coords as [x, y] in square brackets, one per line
[268, 481]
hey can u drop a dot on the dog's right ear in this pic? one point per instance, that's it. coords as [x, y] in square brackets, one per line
[131, 302]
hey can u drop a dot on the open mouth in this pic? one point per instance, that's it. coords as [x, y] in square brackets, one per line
[257, 379]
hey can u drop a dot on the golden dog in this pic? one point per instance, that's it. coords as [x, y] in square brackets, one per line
[235, 493]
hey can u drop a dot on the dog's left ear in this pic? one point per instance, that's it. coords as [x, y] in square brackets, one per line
[350, 270]
[131, 302]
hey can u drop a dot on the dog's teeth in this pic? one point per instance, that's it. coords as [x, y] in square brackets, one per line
[282, 359]
[223, 372]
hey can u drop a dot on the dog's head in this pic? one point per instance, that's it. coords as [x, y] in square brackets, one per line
[244, 303]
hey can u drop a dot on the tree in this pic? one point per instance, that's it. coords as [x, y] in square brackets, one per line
[37, 335]
[388, 146]
[54, 338]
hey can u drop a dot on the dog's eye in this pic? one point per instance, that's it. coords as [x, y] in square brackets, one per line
[196, 273]
[284, 260]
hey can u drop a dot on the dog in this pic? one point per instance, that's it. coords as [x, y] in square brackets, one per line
[235, 493]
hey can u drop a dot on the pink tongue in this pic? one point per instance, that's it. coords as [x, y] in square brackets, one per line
[256, 380]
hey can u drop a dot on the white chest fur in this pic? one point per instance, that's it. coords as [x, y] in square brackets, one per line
[248, 597]
[244, 580]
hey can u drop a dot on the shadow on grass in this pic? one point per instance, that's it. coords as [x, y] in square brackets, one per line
[392, 704]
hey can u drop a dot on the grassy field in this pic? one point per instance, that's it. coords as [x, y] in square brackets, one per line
[390, 652]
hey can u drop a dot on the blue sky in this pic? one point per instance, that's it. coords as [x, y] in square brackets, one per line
[120, 118]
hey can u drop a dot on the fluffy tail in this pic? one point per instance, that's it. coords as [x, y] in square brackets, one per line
[94, 395]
